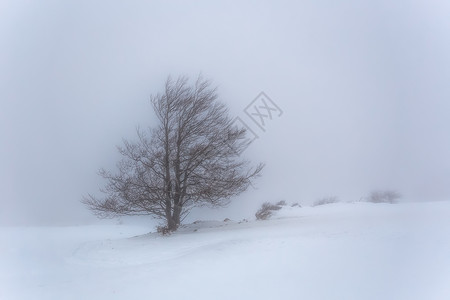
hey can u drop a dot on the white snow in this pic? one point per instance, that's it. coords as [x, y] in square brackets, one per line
[336, 251]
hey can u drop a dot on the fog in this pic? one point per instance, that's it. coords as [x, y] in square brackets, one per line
[363, 87]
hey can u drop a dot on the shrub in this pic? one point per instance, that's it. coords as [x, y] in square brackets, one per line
[281, 203]
[163, 230]
[383, 197]
[266, 211]
[326, 200]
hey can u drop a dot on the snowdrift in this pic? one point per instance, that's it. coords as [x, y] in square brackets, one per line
[336, 251]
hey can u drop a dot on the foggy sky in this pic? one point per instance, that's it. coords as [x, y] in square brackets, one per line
[363, 85]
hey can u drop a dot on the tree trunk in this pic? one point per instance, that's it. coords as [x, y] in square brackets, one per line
[176, 214]
[171, 224]
[173, 219]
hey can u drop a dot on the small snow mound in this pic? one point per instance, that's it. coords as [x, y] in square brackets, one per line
[197, 225]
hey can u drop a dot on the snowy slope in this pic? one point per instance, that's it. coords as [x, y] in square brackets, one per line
[337, 251]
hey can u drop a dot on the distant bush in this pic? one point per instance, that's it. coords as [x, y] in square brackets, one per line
[383, 197]
[296, 204]
[326, 200]
[281, 203]
[266, 210]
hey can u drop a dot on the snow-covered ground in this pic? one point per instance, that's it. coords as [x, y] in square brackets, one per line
[337, 251]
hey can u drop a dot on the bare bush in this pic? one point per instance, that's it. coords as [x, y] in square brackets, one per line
[388, 196]
[326, 200]
[281, 203]
[163, 230]
[266, 211]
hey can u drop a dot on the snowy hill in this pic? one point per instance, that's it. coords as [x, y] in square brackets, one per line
[336, 251]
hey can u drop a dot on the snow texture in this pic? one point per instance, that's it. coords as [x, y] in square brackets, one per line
[336, 251]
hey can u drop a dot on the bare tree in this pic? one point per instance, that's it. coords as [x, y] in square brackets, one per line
[190, 159]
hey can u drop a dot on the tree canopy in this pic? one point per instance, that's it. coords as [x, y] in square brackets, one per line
[190, 159]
